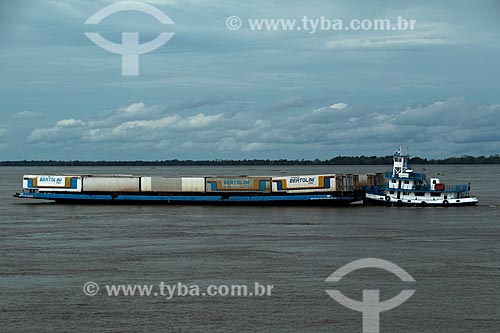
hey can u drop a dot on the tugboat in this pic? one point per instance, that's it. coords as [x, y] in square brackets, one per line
[404, 187]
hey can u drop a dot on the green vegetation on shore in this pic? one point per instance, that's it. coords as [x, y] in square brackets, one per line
[340, 160]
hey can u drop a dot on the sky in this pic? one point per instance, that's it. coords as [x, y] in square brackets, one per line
[215, 93]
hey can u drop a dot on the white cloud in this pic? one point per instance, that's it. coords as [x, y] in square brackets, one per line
[134, 108]
[326, 109]
[388, 43]
[258, 146]
[200, 120]
[26, 115]
[145, 124]
[338, 106]
[69, 123]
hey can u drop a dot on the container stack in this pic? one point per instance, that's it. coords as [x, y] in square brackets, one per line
[158, 184]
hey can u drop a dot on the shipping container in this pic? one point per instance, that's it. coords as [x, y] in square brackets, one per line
[380, 179]
[347, 182]
[172, 184]
[193, 184]
[356, 185]
[338, 182]
[363, 179]
[110, 183]
[238, 184]
[304, 184]
[52, 183]
[367, 179]
[161, 184]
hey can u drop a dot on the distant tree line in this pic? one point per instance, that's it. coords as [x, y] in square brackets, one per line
[339, 160]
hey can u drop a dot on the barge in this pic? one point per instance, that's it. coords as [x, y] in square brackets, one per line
[404, 187]
[327, 189]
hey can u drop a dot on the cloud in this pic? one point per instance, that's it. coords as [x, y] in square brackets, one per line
[385, 43]
[454, 112]
[292, 103]
[439, 127]
[201, 102]
[200, 120]
[26, 115]
[152, 127]
[329, 109]
[338, 106]
[134, 108]
[69, 123]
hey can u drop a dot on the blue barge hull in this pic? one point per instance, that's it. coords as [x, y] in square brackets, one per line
[126, 198]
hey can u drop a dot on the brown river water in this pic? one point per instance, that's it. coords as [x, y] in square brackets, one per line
[49, 251]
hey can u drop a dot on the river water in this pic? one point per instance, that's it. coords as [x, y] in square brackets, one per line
[49, 251]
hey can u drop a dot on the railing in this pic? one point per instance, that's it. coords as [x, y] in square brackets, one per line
[423, 187]
[426, 187]
[457, 188]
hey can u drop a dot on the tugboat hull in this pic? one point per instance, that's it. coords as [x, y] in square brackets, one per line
[376, 199]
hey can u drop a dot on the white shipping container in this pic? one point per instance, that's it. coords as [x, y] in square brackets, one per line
[350, 182]
[146, 184]
[161, 184]
[172, 184]
[25, 182]
[357, 186]
[367, 179]
[347, 182]
[363, 179]
[305, 184]
[56, 183]
[193, 184]
[110, 184]
[339, 186]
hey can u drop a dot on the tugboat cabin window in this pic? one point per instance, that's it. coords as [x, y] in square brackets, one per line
[397, 159]
[446, 197]
[407, 182]
[394, 181]
[391, 192]
[435, 194]
[420, 194]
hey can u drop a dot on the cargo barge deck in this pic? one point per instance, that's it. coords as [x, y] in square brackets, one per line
[317, 190]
